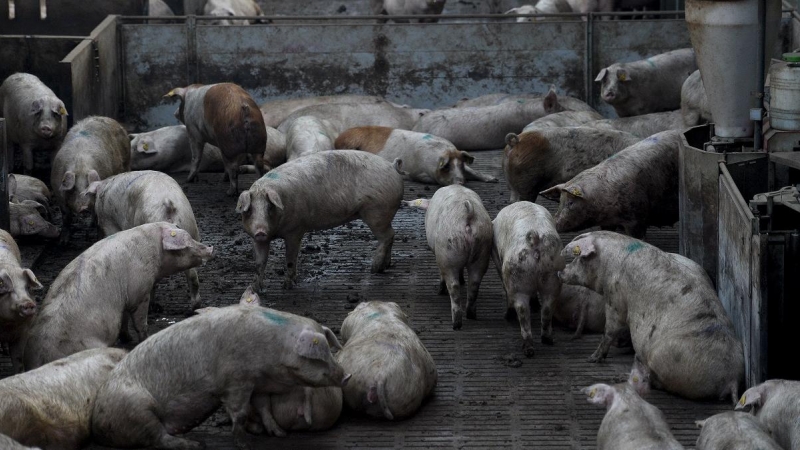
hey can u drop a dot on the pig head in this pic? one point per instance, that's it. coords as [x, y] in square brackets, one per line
[312, 361]
[585, 268]
[49, 117]
[73, 184]
[26, 220]
[614, 84]
[574, 212]
[181, 251]
[261, 211]
[16, 303]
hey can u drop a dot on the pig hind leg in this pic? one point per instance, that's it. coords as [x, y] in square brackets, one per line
[194, 288]
[451, 279]
[549, 290]
[263, 403]
[379, 222]
[521, 304]
[472, 174]
[232, 170]
[197, 157]
[292, 250]
[475, 272]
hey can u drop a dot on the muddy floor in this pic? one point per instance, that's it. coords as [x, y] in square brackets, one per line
[488, 396]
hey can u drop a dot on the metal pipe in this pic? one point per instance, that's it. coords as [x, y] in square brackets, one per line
[760, 75]
[5, 222]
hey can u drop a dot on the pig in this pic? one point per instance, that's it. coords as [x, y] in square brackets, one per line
[527, 253]
[36, 119]
[408, 8]
[485, 127]
[158, 8]
[459, 231]
[307, 135]
[580, 309]
[135, 198]
[392, 371]
[542, 7]
[9, 444]
[320, 191]
[85, 305]
[275, 153]
[566, 102]
[734, 431]
[563, 119]
[276, 111]
[776, 405]
[539, 159]
[679, 328]
[694, 102]
[300, 409]
[224, 115]
[649, 85]
[26, 219]
[221, 357]
[231, 8]
[587, 6]
[95, 148]
[24, 187]
[630, 190]
[343, 116]
[643, 126]
[51, 407]
[630, 423]
[426, 158]
[17, 307]
[167, 150]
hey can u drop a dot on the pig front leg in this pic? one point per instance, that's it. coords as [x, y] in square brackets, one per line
[27, 158]
[232, 170]
[614, 328]
[521, 303]
[263, 403]
[237, 404]
[292, 250]
[261, 250]
[124, 333]
[583, 315]
[549, 290]
[139, 318]
[475, 272]
[197, 157]
[193, 281]
[379, 222]
[514, 197]
[16, 350]
[473, 174]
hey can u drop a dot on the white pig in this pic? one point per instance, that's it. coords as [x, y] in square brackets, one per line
[644, 125]
[85, 305]
[9, 444]
[276, 111]
[24, 187]
[343, 116]
[25, 219]
[563, 119]
[542, 7]
[230, 8]
[734, 431]
[776, 404]
[392, 370]
[167, 150]
[308, 134]
[527, 254]
[408, 8]
[694, 102]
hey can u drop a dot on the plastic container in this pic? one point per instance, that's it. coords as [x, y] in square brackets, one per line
[784, 93]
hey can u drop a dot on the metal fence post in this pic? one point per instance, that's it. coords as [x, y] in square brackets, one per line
[589, 60]
[191, 48]
[4, 215]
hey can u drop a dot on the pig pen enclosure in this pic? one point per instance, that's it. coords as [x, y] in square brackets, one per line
[488, 395]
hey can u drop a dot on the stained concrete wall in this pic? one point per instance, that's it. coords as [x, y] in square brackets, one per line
[64, 17]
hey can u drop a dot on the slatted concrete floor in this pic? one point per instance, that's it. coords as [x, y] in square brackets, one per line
[488, 396]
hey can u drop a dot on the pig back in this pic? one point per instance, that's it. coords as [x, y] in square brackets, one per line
[98, 143]
[235, 119]
[734, 431]
[457, 221]
[343, 116]
[9, 251]
[276, 111]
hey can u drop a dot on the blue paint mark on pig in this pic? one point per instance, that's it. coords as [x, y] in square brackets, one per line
[275, 318]
[374, 315]
[272, 175]
[634, 246]
[427, 137]
[83, 133]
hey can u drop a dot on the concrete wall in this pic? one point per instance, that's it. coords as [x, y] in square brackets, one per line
[64, 17]
[424, 65]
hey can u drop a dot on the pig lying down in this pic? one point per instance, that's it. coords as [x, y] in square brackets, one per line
[167, 150]
[85, 305]
[307, 135]
[343, 116]
[527, 254]
[26, 219]
[426, 158]
[23, 187]
[392, 371]
[51, 406]
[734, 431]
[177, 378]
[318, 192]
[679, 329]
[134, 198]
[17, 307]
[276, 111]
[776, 404]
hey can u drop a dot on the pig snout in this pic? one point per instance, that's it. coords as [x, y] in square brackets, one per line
[206, 252]
[458, 180]
[346, 379]
[260, 235]
[46, 131]
[27, 308]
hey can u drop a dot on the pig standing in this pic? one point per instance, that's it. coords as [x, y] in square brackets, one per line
[649, 85]
[95, 148]
[35, 118]
[392, 371]
[276, 111]
[459, 231]
[317, 192]
[177, 378]
[679, 329]
[308, 134]
[343, 116]
[527, 254]
[776, 404]
[563, 119]
[630, 422]
[426, 158]
[485, 127]
[167, 150]
[224, 115]
[231, 8]
[85, 305]
[632, 189]
[407, 8]
[539, 159]
[25, 219]
[51, 406]
[694, 102]
[23, 187]
[643, 126]
[17, 307]
[734, 431]
[135, 198]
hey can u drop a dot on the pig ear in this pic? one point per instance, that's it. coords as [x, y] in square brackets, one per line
[32, 279]
[622, 75]
[177, 92]
[5, 282]
[68, 182]
[36, 107]
[60, 109]
[92, 189]
[553, 193]
[312, 345]
[700, 423]
[244, 202]
[443, 161]
[574, 190]
[751, 396]
[331, 337]
[601, 75]
[146, 148]
[12, 185]
[599, 394]
[250, 297]
[551, 101]
[274, 198]
[512, 139]
[583, 249]
[36, 205]
[175, 239]
[93, 176]
[468, 159]
[639, 380]
[421, 203]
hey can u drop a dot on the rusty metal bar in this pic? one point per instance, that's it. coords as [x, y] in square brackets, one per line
[4, 213]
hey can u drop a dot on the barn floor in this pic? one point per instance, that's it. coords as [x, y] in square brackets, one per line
[488, 396]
